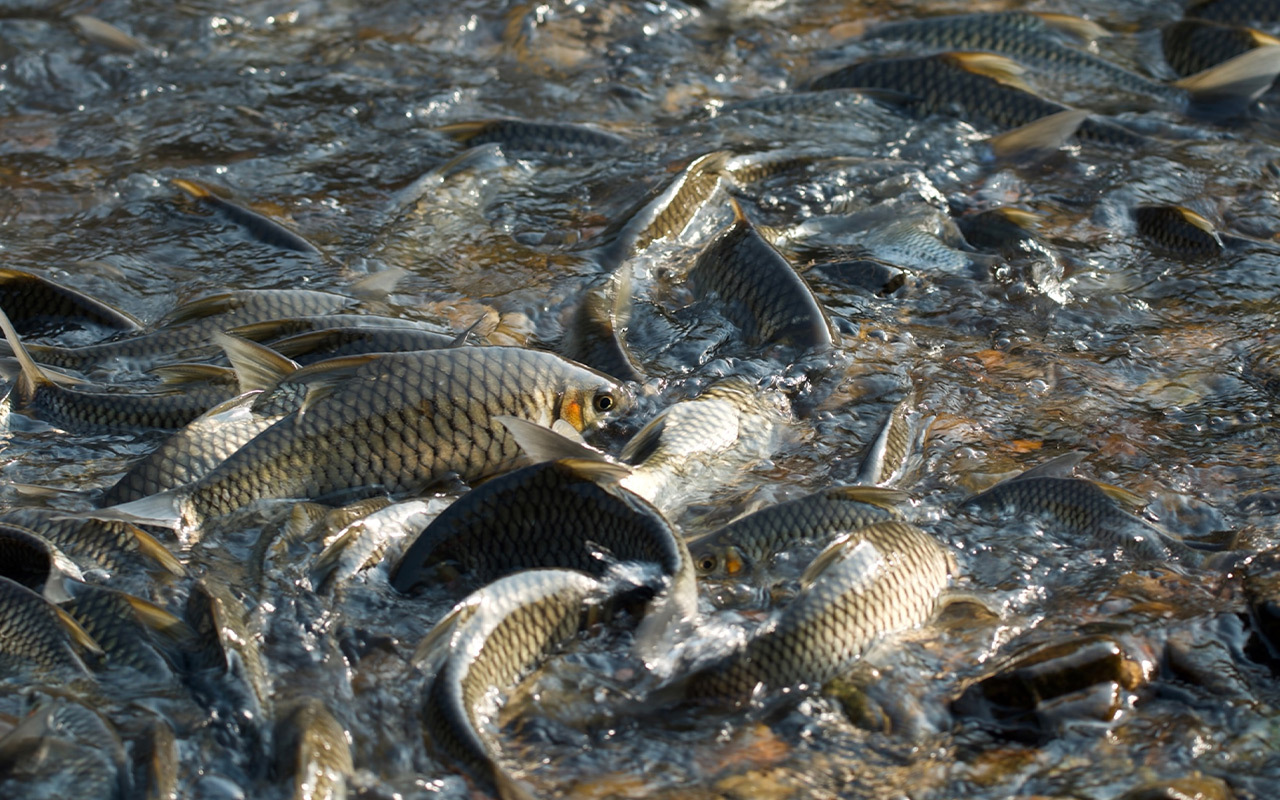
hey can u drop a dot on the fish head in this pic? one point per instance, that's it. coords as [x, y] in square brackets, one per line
[718, 561]
[590, 404]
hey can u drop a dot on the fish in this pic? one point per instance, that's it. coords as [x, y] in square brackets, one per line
[1178, 230]
[880, 579]
[40, 640]
[740, 548]
[693, 443]
[260, 227]
[1233, 11]
[888, 454]
[392, 423]
[1085, 509]
[985, 87]
[665, 212]
[486, 644]
[37, 305]
[186, 332]
[873, 275]
[122, 625]
[519, 137]
[758, 290]
[568, 514]
[63, 749]
[1029, 38]
[363, 541]
[1194, 45]
[321, 345]
[1016, 34]
[596, 334]
[314, 750]
[106, 34]
[113, 546]
[155, 757]
[73, 404]
[27, 558]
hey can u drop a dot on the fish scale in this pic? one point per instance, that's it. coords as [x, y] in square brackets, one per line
[33, 638]
[938, 83]
[552, 514]
[760, 291]
[819, 517]
[398, 422]
[888, 580]
[516, 621]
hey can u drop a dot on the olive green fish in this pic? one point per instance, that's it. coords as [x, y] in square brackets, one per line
[877, 580]
[314, 750]
[984, 86]
[37, 305]
[1084, 509]
[758, 290]
[315, 338]
[77, 405]
[487, 643]
[186, 333]
[363, 541]
[738, 549]
[519, 137]
[122, 624]
[392, 423]
[62, 749]
[1194, 45]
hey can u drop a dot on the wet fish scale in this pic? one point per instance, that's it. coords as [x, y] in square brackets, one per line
[888, 580]
[110, 619]
[97, 409]
[433, 409]
[818, 518]
[109, 544]
[940, 83]
[761, 292]
[552, 514]
[1193, 45]
[520, 619]
[1081, 507]
[33, 301]
[32, 638]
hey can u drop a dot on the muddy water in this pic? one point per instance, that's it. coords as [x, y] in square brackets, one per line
[1158, 364]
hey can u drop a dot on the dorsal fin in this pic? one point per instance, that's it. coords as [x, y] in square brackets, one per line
[33, 375]
[435, 646]
[1121, 495]
[257, 366]
[888, 499]
[201, 308]
[990, 65]
[1195, 219]
[78, 634]
[159, 620]
[106, 34]
[739, 217]
[323, 378]
[182, 374]
[1057, 467]
[1038, 137]
[151, 547]
[1085, 30]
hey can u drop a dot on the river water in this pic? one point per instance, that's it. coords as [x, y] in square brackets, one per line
[1160, 365]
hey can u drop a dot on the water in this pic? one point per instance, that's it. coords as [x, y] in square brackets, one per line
[323, 115]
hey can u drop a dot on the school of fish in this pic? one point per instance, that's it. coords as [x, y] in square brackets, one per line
[724, 399]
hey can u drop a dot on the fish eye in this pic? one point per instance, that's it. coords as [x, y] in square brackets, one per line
[603, 402]
[707, 563]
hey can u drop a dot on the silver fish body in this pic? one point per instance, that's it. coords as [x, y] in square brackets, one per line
[693, 443]
[885, 578]
[759, 291]
[740, 548]
[499, 634]
[401, 421]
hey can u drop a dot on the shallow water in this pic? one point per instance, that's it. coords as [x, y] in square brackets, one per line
[323, 115]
